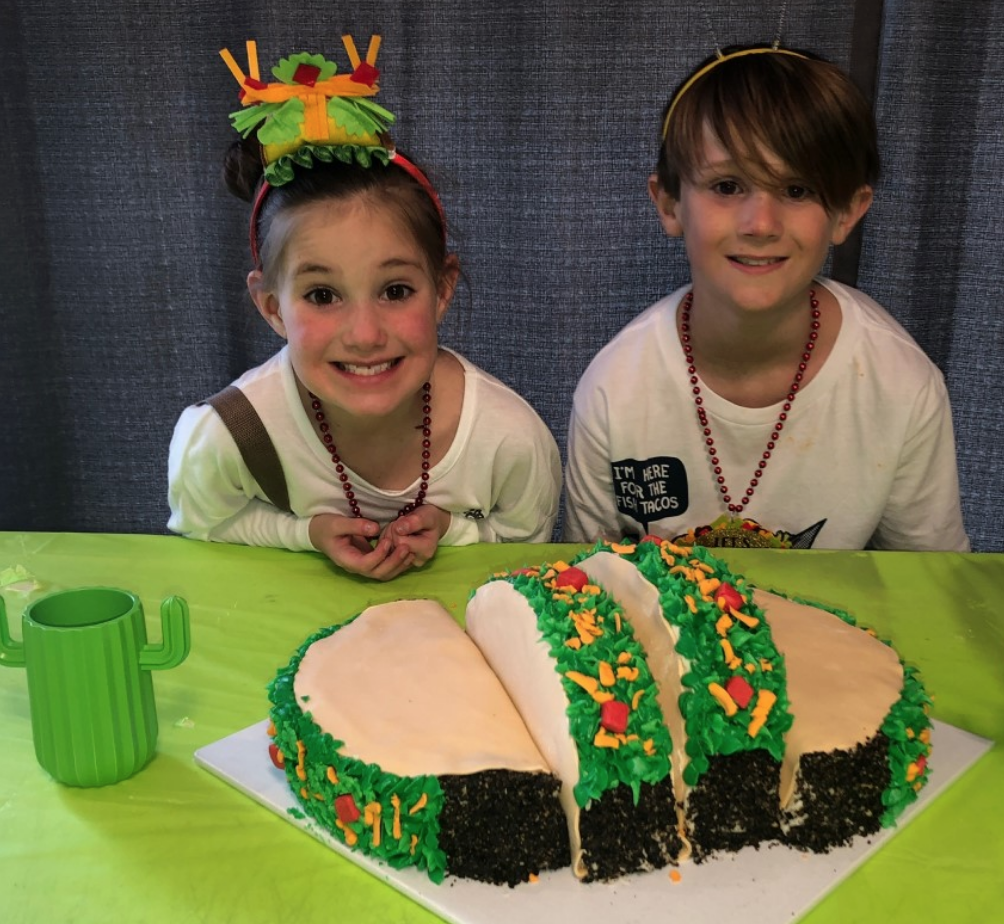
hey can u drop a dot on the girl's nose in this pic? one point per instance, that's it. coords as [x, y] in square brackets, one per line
[760, 215]
[364, 329]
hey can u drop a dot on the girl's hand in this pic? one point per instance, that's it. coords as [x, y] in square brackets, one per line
[419, 532]
[347, 541]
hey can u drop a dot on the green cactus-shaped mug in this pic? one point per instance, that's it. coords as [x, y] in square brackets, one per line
[93, 716]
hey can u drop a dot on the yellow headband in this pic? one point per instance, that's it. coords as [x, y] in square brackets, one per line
[712, 65]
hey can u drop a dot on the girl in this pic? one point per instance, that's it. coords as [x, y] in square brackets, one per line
[762, 404]
[387, 443]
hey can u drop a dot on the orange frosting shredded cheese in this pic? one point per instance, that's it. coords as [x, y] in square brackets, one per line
[371, 817]
[724, 624]
[691, 605]
[607, 676]
[395, 800]
[765, 700]
[708, 587]
[627, 673]
[350, 835]
[418, 806]
[605, 740]
[730, 656]
[624, 657]
[332, 776]
[746, 620]
[637, 696]
[301, 771]
[723, 698]
[589, 684]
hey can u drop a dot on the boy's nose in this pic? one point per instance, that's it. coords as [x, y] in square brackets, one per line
[760, 215]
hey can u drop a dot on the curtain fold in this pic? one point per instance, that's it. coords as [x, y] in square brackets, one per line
[123, 256]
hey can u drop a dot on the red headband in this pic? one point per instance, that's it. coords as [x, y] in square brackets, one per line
[396, 158]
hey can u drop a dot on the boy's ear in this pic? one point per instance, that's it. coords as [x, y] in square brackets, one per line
[847, 218]
[266, 303]
[665, 205]
[447, 285]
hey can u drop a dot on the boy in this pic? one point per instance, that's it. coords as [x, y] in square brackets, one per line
[763, 404]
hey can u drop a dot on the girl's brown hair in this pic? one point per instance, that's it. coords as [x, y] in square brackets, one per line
[804, 111]
[385, 184]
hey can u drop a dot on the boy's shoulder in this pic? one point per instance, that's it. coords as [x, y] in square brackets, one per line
[654, 328]
[877, 328]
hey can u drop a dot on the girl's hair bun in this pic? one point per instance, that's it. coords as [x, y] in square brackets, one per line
[242, 168]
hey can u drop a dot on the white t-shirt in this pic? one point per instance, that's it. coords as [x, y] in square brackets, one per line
[866, 457]
[500, 479]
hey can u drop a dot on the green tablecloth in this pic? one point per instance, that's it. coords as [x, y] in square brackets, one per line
[175, 844]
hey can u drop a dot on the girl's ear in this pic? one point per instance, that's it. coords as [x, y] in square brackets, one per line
[447, 285]
[666, 206]
[846, 219]
[266, 302]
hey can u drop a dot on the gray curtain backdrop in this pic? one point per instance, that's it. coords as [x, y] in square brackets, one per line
[123, 257]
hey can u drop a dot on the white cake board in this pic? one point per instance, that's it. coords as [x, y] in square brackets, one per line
[772, 885]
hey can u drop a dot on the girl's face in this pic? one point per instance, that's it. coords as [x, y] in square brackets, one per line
[750, 245]
[359, 307]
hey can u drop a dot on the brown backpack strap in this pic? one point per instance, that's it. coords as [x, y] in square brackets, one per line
[252, 439]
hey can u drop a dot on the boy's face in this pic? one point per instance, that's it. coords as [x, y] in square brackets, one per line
[751, 242]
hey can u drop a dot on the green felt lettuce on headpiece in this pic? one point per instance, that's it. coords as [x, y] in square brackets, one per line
[311, 112]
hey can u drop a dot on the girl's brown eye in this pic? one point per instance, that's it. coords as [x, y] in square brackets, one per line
[321, 296]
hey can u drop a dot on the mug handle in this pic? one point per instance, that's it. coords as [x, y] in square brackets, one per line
[176, 637]
[11, 652]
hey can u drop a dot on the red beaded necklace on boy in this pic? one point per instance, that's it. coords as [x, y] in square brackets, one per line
[702, 416]
[329, 444]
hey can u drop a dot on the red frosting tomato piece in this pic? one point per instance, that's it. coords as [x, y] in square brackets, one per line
[614, 716]
[731, 596]
[575, 578]
[346, 809]
[740, 691]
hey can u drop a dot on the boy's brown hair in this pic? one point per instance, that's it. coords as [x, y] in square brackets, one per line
[798, 107]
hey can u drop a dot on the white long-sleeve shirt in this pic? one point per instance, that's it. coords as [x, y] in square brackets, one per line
[500, 479]
[866, 457]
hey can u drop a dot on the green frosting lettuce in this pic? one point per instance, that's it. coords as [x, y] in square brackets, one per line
[709, 730]
[907, 726]
[600, 768]
[365, 783]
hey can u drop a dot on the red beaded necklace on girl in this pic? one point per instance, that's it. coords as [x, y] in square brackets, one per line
[702, 416]
[329, 444]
